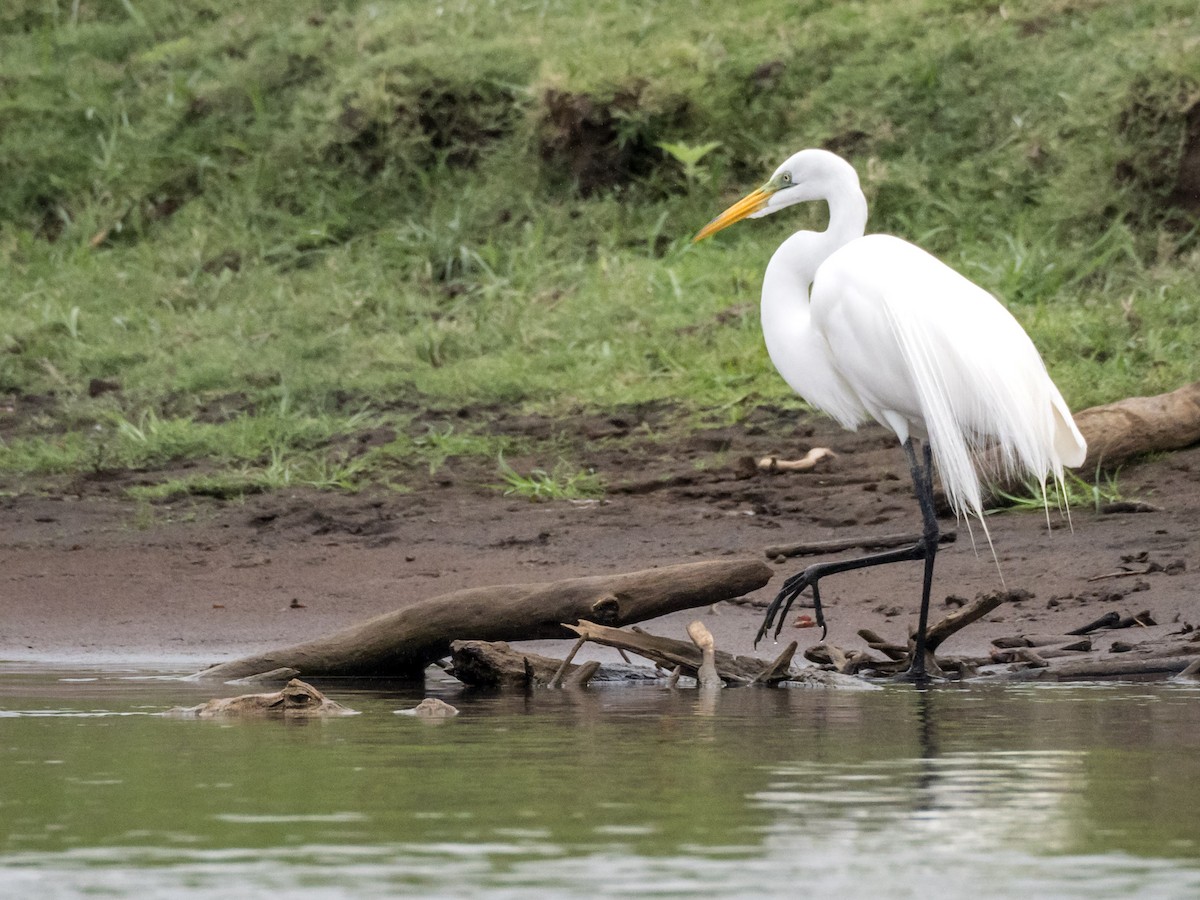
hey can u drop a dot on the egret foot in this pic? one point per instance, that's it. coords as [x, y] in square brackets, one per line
[925, 549]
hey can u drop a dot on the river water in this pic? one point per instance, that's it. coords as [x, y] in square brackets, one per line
[1021, 791]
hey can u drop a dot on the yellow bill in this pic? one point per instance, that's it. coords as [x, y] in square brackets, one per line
[747, 206]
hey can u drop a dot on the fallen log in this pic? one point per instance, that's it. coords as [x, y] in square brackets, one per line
[1078, 670]
[404, 642]
[495, 664]
[1117, 432]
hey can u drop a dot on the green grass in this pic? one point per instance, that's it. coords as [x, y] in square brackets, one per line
[561, 483]
[1074, 493]
[276, 225]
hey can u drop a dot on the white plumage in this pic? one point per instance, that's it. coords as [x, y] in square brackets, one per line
[874, 327]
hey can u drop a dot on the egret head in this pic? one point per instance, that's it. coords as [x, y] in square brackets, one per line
[807, 175]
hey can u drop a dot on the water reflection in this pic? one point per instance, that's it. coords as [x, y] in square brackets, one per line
[603, 792]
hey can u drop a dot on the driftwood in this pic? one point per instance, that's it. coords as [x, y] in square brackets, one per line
[808, 461]
[961, 618]
[404, 642]
[1123, 667]
[780, 668]
[1190, 674]
[669, 654]
[496, 664]
[877, 643]
[688, 659]
[1116, 432]
[898, 656]
[859, 542]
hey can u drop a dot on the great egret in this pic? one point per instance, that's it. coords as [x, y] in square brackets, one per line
[874, 327]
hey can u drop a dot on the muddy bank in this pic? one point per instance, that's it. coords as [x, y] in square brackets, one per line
[88, 577]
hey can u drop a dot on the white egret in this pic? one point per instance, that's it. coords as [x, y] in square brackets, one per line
[874, 327]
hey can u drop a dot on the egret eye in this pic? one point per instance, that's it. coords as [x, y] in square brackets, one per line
[785, 178]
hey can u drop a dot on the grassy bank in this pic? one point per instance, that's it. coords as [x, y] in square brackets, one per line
[245, 235]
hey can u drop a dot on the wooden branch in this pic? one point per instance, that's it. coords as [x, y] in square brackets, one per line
[1108, 620]
[556, 681]
[892, 651]
[495, 664]
[779, 669]
[583, 674]
[1059, 641]
[1116, 432]
[404, 642]
[809, 461]
[1191, 673]
[1124, 667]
[861, 542]
[961, 618]
[669, 653]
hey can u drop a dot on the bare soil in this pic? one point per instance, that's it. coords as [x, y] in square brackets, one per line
[90, 577]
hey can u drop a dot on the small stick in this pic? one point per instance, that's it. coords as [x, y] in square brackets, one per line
[1105, 621]
[894, 652]
[819, 654]
[856, 661]
[1142, 620]
[1124, 573]
[961, 618]
[557, 680]
[581, 676]
[1191, 673]
[811, 458]
[1031, 656]
[780, 668]
[879, 542]
[837, 656]
[674, 679]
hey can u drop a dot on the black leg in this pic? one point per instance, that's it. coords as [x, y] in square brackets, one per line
[924, 549]
[923, 481]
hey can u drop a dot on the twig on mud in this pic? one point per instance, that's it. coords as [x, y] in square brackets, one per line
[810, 460]
[894, 652]
[1105, 621]
[879, 542]
[1124, 573]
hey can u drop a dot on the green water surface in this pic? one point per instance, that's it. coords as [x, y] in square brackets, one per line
[611, 791]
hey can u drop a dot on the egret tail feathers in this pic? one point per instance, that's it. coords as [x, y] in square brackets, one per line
[991, 413]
